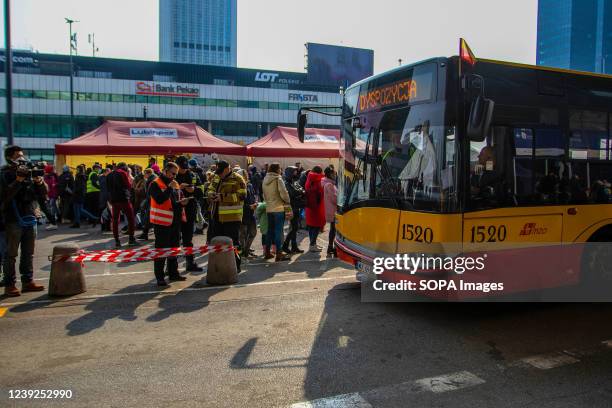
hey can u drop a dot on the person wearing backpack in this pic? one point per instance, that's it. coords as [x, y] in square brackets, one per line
[297, 194]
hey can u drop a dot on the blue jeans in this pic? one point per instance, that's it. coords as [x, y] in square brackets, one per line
[23, 238]
[276, 221]
[54, 209]
[80, 210]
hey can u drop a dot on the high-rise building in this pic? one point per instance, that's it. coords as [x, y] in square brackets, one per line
[575, 34]
[198, 31]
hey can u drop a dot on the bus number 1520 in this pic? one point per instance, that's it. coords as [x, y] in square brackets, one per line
[489, 233]
[417, 233]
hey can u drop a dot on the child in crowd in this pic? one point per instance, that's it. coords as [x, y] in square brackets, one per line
[262, 220]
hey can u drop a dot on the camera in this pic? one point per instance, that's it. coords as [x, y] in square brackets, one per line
[28, 169]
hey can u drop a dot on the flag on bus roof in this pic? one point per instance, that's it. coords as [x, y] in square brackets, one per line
[466, 53]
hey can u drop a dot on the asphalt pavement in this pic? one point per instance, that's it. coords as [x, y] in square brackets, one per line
[290, 334]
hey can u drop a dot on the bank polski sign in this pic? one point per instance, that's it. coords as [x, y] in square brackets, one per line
[154, 132]
[314, 137]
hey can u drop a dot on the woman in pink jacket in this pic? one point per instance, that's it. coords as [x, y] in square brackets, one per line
[330, 198]
[315, 207]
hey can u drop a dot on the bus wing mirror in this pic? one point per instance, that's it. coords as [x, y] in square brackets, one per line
[479, 122]
[302, 120]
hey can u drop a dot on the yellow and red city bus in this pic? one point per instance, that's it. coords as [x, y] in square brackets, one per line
[462, 156]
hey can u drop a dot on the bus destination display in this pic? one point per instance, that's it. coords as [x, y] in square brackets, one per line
[406, 91]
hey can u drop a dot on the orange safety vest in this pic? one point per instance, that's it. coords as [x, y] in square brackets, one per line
[161, 214]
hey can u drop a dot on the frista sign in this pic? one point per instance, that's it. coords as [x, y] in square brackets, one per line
[148, 88]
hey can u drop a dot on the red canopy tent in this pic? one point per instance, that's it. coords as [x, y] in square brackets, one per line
[115, 137]
[283, 142]
[136, 140]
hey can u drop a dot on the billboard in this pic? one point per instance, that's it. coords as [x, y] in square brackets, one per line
[340, 66]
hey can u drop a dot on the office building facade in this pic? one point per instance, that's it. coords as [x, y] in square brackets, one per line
[236, 104]
[575, 34]
[198, 32]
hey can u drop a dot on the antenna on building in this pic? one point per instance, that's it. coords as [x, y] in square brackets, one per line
[91, 39]
[400, 62]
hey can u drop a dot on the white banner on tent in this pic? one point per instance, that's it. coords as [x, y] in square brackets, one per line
[313, 137]
[153, 132]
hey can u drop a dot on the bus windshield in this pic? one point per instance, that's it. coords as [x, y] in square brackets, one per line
[405, 160]
[398, 147]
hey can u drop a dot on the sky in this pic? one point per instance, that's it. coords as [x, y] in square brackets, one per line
[272, 33]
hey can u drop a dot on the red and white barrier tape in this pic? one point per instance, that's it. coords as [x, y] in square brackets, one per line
[141, 254]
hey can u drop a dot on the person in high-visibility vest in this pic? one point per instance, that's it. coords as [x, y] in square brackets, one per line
[92, 196]
[166, 214]
[226, 193]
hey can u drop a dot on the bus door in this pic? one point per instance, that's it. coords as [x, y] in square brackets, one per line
[513, 217]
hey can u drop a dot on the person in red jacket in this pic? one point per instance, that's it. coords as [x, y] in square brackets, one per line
[315, 206]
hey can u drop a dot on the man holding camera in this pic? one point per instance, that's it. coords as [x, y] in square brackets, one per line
[20, 188]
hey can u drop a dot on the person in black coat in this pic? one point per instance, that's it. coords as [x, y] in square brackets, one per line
[19, 192]
[65, 188]
[78, 198]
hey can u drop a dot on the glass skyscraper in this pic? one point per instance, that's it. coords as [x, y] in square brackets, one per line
[575, 34]
[198, 31]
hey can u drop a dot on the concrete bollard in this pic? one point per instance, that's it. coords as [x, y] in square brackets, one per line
[66, 277]
[222, 269]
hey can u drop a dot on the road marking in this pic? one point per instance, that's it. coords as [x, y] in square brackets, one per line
[353, 400]
[436, 385]
[548, 361]
[449, 382]
[166, 292]
[3, 311]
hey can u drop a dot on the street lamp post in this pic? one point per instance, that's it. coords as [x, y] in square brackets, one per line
[71, 38]
[8, 68]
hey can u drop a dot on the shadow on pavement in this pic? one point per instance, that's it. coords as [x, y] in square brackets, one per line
[185, 301]
[361, 346]
[241, 358]
[31, 304]
[111, 307]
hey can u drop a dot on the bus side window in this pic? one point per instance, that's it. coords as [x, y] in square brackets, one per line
[601, 177]
[491, 170]
[578, 184]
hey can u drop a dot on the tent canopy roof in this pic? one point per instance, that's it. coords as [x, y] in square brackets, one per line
[138, 138]
[284, 142]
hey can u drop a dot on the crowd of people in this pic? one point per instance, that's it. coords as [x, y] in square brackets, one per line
[176, 201]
